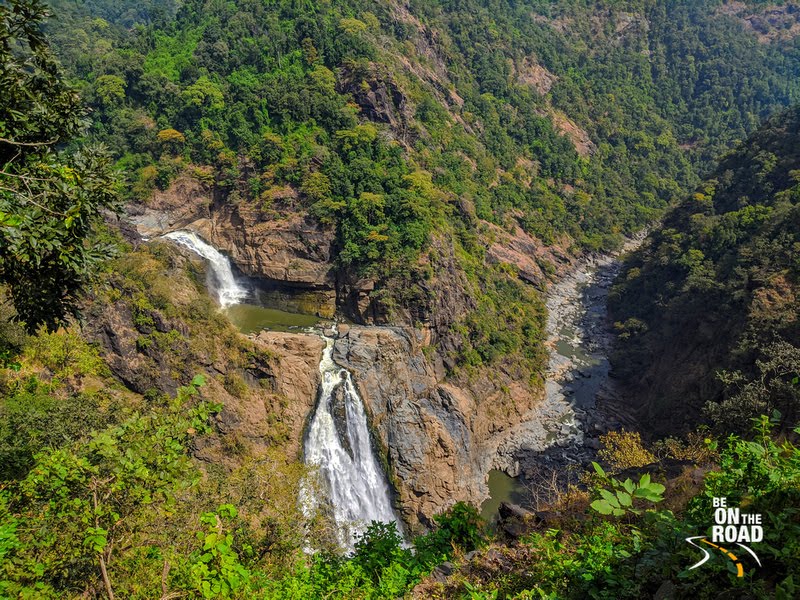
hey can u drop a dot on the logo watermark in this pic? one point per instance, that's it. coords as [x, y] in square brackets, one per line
[731, 526]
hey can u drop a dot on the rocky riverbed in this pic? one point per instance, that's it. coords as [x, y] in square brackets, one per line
[440, 437]
[560, 436]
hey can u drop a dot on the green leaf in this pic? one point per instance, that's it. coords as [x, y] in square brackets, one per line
[598, 469]
[609, 497]
[624, 498]
[602, 507]
[198, 380]
[653, 498]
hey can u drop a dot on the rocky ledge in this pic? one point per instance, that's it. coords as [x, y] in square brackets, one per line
[439, 440]
[287, 254]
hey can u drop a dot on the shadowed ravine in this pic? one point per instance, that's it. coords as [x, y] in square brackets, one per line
[559, 438]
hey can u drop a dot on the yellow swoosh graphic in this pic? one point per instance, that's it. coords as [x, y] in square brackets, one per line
[739, 568]
[725, 551]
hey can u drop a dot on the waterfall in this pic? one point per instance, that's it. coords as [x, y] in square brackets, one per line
[338, 442]
[228, 289]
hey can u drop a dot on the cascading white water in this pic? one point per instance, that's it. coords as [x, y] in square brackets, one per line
[229, 291]
[339, 444]
[338, 439]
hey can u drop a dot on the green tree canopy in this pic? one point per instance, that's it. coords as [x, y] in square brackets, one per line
[50, 199]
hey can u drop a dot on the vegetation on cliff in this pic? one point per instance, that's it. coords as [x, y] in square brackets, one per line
[418, 133]
[390, 122]
[707, 310]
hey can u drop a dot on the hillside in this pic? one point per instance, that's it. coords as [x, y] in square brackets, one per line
[409, 180]
[715, 290]
[406, 142]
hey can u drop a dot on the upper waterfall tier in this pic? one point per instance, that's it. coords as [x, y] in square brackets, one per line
[229, 291]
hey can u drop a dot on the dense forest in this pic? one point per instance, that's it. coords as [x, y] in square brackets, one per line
[419, 136]
[576, 123]
[707, 311]
[268, 96]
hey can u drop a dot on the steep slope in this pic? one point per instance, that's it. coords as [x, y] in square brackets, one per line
[716, 288]
[423, 165]
[379, 123]
[394, 158]
[427, 167]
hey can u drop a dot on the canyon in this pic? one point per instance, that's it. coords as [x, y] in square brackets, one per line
[438, 437]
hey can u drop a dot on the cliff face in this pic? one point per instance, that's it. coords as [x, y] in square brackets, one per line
[163, 330]
[289, 254]
[439, 439]
[439, 433]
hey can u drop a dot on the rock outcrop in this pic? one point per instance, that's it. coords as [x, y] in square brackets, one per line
[289, 255]
[439, 440]
[375, 91]
[778, 22]
[295, 378]
[267, 384]
[424, 428]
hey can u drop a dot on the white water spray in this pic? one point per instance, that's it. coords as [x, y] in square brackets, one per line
[229, 291]
[338, 443]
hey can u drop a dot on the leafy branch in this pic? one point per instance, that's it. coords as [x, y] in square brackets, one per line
[622, 498]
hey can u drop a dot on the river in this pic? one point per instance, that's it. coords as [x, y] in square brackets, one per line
[558, 439]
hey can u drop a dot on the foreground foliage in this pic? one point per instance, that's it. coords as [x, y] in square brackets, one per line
[637, 555]
[115, 516]
[50, 200]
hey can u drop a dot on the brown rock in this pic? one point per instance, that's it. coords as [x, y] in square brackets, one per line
[184, 201]
[288, 252]
[440, 439]
[535, 75]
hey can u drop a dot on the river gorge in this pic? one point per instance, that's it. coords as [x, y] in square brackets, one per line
[378, 394]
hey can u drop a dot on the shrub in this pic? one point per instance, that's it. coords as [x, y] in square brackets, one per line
[235, 385]
[625, 496]
[65, 354]
[624, 449]
[379, 546]
[459, 529]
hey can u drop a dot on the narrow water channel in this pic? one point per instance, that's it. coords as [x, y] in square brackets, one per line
[558, 439]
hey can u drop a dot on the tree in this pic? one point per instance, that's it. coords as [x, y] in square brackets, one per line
[107, 493]
[50, 200]
[110, 89]
[204, 94]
